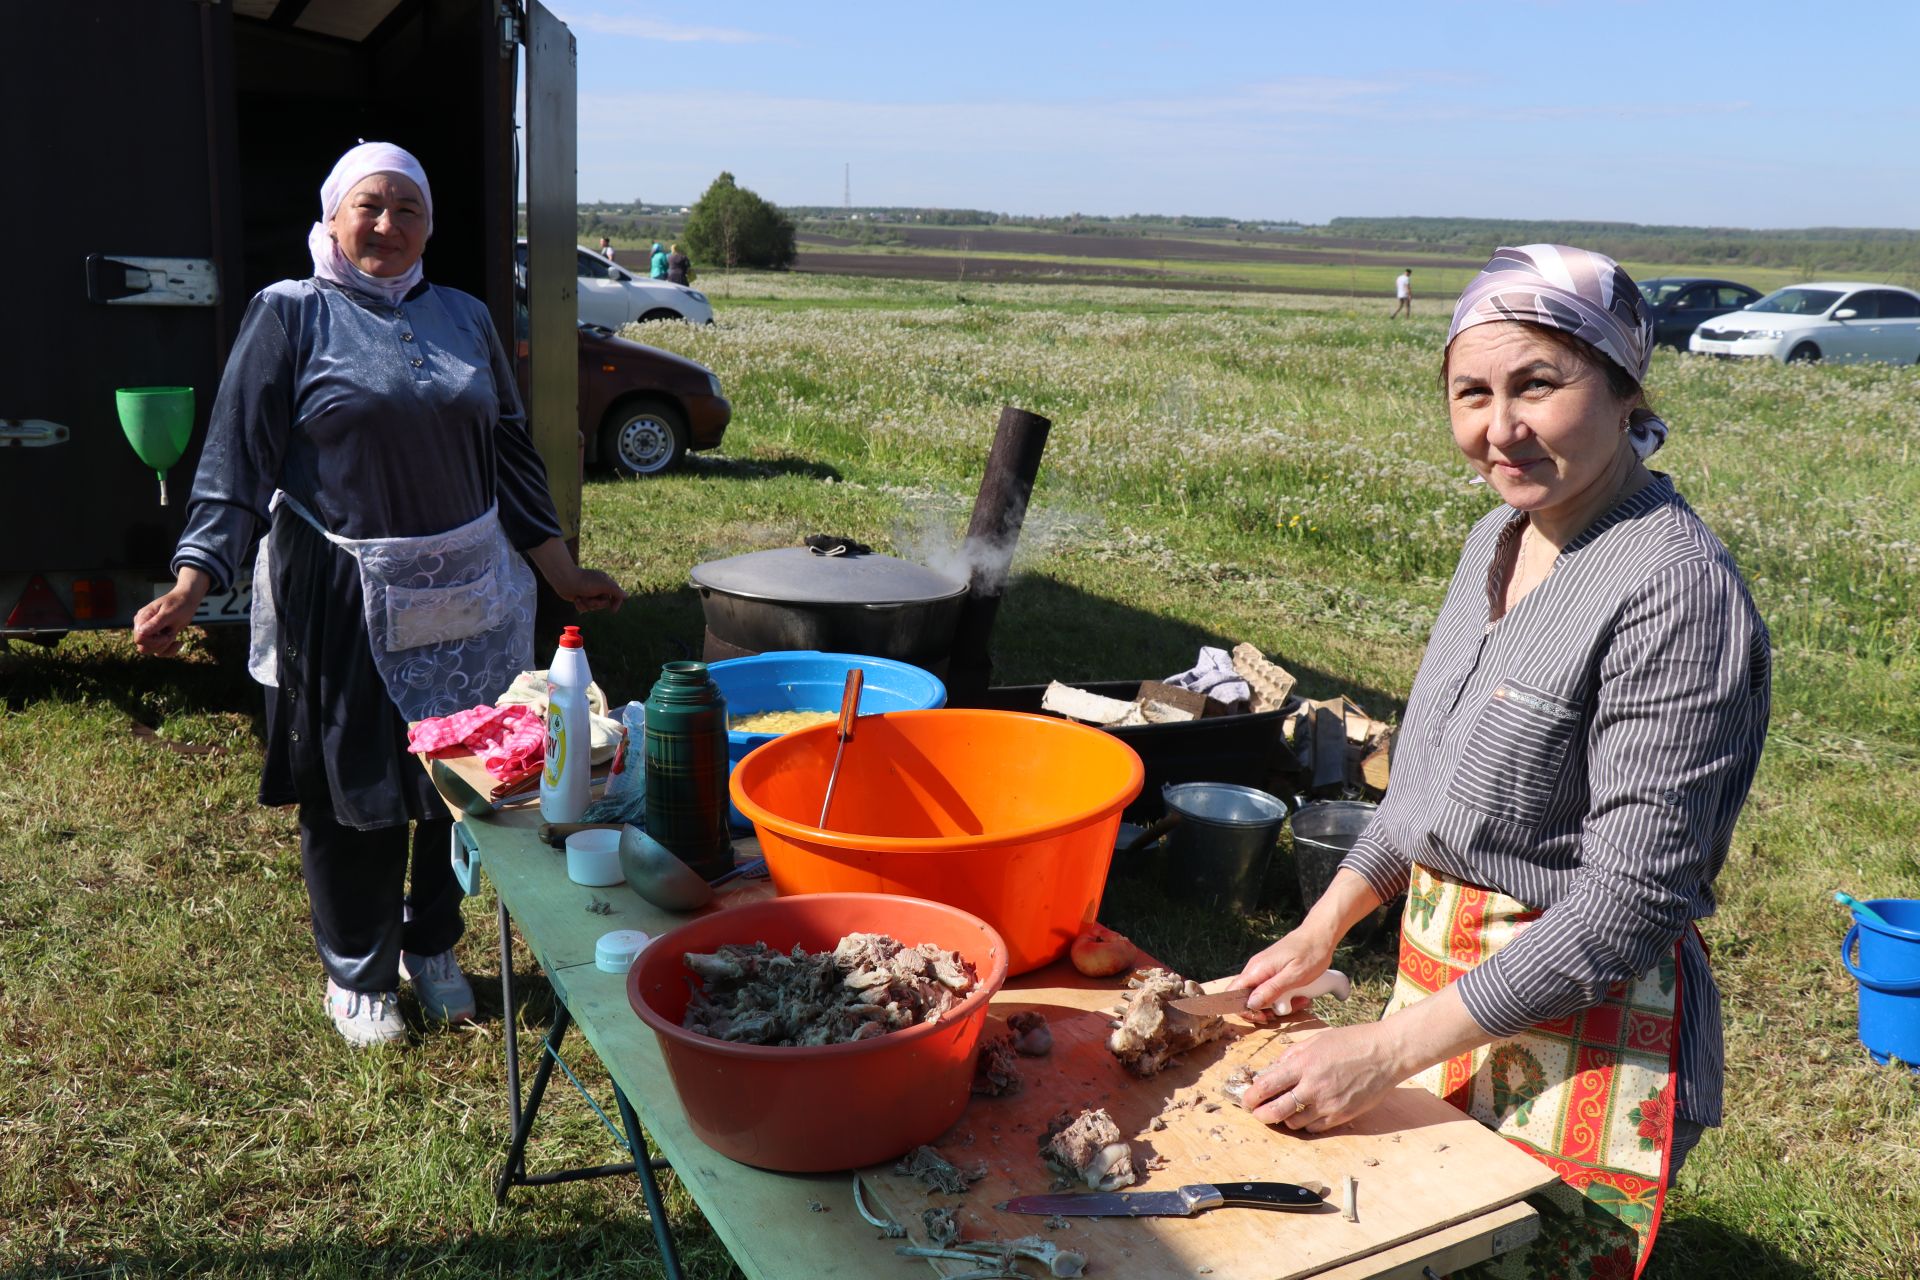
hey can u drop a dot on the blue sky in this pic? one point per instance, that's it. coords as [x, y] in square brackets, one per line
[1727, 113]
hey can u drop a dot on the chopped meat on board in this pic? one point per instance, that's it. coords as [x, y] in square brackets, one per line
[996, 1072]
[942, 1227]
[1032, 1037]
[1152, 1034]
[1087, 1148]
[937, 1173]
[866, 986]
[1236, 1084]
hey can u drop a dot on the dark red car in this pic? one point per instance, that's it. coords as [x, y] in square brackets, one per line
[641, 409]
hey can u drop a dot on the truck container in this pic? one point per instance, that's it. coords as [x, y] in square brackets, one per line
[165, 160]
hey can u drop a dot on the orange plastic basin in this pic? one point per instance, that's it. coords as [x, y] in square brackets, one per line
[837, 1106]
[1009, 816]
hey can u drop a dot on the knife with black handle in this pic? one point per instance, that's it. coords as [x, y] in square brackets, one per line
[1182, 1202]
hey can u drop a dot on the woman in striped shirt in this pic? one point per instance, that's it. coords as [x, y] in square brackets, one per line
[1578, 742]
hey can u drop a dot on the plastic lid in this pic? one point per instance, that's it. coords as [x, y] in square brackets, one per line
[796, 574]
[614, 952]
[570, 639]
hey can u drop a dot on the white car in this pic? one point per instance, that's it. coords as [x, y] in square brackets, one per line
[1841, 321]
[610, 295]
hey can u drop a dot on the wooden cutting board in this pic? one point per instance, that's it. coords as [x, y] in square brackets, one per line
[1422, 1166]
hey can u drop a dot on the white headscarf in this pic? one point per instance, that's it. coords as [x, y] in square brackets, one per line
[349, 171]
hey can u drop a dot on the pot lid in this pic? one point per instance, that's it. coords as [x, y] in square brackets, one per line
[801, 576]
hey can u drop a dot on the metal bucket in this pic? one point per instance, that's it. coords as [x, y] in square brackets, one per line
[1221, 840]
[1324, 833]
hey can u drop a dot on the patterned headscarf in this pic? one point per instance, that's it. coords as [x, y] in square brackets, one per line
[1576, 291]
[349, 171]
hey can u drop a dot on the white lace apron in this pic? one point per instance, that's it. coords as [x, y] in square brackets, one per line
[449, 615]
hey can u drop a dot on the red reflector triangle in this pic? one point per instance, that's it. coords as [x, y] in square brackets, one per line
[38, 609]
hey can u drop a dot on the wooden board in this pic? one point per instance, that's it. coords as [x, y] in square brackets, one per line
[1433, 1166]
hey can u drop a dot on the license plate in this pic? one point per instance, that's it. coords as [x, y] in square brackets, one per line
[219, 606]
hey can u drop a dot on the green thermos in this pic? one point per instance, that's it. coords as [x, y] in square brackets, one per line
[687, 768]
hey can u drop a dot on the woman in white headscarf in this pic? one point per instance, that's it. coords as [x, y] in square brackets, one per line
[1580, 738]
[369, 424]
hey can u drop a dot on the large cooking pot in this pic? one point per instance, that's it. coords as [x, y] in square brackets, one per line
[798, 598]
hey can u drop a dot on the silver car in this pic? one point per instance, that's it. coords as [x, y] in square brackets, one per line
[1841, 321]
[610, 295]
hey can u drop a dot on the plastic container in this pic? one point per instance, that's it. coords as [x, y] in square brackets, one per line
[1011, 817]
[686, 766]
[826, 1107]
[632, 778]
[1219, 848]
[593, 857]
[808, 680]
[615, 952]
[566, 783]
[1888, 972]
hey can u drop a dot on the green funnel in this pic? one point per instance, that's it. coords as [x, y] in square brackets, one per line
[158, 422]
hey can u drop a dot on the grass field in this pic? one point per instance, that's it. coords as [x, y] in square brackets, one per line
[1223, 466]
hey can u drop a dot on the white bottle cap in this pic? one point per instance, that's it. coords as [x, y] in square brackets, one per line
[615, 952]
[593, 857]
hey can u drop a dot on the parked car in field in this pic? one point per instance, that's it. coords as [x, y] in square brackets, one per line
[1680, 304]
[610, 295]
[641, 409]
[1843, 321]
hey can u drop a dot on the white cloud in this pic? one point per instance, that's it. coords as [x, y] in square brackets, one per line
[654, 29]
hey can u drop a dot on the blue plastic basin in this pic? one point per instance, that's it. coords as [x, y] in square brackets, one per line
[808, 680]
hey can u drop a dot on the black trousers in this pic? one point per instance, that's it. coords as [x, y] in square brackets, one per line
[364, 911]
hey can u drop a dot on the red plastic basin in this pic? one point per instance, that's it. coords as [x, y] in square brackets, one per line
[824, 1107]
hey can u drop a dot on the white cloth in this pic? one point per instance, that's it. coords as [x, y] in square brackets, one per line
[1214, 676]
[351, 169]
[449, 615]
[1403, 286]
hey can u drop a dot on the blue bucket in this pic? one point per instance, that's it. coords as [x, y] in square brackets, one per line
[808, 680]
[1888, 972]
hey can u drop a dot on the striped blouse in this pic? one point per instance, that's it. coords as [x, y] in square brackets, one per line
[1587, 754]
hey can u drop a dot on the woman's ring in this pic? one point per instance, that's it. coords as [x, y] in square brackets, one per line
[1302, 1107]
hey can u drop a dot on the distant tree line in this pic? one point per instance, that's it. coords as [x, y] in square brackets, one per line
[1873, 251]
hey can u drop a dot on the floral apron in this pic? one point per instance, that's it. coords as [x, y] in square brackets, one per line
[1590, 1096]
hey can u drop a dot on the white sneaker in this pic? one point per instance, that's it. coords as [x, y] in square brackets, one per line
[441, 987]
[363, 1018]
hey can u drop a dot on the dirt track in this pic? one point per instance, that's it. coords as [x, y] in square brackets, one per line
[927, 266]
[1147, 248]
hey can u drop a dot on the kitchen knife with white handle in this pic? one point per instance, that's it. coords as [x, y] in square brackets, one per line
[1331, 983]
[1182, 1202]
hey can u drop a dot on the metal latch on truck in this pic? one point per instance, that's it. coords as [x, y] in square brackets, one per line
[123, 280]
[28, 433]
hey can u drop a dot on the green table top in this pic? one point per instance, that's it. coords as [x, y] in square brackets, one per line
[764, 1219]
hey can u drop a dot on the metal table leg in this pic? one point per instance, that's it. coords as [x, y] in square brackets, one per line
[509, 1016]
[514, 1172]
[649, 1188]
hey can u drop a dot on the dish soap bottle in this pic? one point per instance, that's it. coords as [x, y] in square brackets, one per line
[566, 781]
[687, 768]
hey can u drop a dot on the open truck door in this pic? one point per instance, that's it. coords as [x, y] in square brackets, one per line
[123, 273]
[553, 360]
[183, 181]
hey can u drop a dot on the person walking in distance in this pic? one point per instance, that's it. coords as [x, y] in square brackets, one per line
[677, 265]
[606, 248]
[1403, 294]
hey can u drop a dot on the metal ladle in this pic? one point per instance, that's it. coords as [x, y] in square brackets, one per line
[849, 712]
